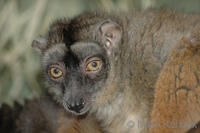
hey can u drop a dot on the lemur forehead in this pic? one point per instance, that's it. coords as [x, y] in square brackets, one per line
[55, 53]
[84, 49]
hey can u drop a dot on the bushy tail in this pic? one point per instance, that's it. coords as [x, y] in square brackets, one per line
[8, 117]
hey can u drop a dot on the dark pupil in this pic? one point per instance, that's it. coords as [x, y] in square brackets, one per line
[56, 71]
[94, 64]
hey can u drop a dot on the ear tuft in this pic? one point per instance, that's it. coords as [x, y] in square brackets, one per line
[109, 33]
[39, 44]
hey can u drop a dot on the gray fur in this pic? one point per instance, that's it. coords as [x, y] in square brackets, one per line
[135, 57]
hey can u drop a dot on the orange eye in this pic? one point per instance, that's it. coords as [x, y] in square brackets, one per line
[55, 72]
[93, 65]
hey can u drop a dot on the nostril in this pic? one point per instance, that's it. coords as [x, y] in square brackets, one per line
[82, 102]
[70, 106]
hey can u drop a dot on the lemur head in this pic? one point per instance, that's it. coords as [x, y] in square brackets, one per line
[75, 56]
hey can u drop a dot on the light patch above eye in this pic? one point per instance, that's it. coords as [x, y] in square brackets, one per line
[55, 72]
[94, 65]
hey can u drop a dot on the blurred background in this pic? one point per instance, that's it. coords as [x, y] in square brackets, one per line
[23, 20]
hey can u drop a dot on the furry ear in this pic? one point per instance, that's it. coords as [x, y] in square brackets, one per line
[109, 33]
[40, 44]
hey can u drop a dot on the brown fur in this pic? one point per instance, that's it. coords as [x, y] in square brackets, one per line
[83, 125]
[43, 116]
[177, 89]
[147, 40]
[196, 129]
[8, 117]
[151, 37]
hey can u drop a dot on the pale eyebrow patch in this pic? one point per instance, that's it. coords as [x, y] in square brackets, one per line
[84, 49]
[54, 53]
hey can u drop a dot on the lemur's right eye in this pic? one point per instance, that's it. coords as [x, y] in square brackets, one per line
[55, 72]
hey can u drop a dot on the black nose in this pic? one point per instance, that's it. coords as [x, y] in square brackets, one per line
[76, 105]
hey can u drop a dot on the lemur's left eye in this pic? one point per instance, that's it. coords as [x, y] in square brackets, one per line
[94, 65]
[55, 72]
